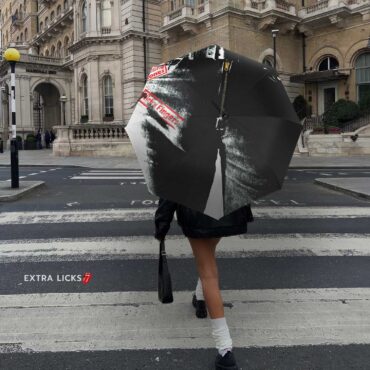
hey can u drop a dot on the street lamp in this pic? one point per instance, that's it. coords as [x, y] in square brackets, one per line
[12, 56]
[63, 100]
[274, 34]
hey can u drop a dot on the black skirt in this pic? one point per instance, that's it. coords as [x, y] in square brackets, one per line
[198, 225]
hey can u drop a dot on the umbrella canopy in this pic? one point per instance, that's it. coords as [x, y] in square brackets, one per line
[214, 130]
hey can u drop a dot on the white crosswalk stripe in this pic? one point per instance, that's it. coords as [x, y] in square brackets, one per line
[146, 214]
[110, 175]
[109, 321]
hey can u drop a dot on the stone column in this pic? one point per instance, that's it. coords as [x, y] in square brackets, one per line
[92, 30]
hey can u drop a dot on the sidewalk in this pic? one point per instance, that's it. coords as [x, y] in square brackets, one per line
[45, 157]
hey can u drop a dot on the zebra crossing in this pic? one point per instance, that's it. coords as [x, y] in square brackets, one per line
[133, 176]
[94, 318]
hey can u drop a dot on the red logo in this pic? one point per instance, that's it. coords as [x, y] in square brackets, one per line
[86, 278]
[157, 71]
[171, 117]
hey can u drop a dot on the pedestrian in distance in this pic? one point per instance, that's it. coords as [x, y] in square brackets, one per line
[52, 136]
[38, 140]
[47, 139]
[204, 233]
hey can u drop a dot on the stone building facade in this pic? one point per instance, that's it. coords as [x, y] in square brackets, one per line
[84, 63]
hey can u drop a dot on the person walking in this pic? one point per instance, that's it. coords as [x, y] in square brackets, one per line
[204, 233]
[38, 140]
[47, 139]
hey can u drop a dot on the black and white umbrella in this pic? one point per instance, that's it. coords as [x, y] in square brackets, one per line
[214, 130]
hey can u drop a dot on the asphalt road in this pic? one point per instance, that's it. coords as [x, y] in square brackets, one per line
[301, 270]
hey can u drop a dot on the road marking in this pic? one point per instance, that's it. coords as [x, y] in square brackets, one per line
[110, 175]
[143, 247]
[109, 321]
[107, 178]
[326, 174]
[147, 214]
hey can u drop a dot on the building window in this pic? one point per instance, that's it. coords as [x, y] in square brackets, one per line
[269, 61]
[84, 17]
[328, 63]
[26, 34]
[85, 97]
[41, 26]
[108, 96]
[59, 9]
[46, 21]
[66, 46]
[106, 14]
[362, 68]
[59, 50]
[65, 6]
[52, 15]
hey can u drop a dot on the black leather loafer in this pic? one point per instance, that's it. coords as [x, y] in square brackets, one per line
[226, 362]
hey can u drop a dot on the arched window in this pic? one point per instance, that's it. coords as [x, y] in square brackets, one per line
[46, 21]
[41, 26]
[362, 68]
[59, 50]
[59, 9]
[46, 52]
[52, 51]
[65, 5]
[21, 39]
[85, 96]
[106, 14]
[328, 63]
[66, 46]
[26, 34]
[52, 15]
[84, 17]
[268, 60]
[108, 96]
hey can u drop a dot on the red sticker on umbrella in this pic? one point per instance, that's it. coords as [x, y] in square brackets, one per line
[171, 117]
[157, 71]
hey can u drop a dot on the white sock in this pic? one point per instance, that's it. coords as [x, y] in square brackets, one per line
[199, 291]
[221, 335]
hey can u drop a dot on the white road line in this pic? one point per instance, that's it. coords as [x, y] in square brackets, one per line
[147, 214]
[107, 178]
[137, 320]
[326, 174]
[32, 174]
[111, 173]
[140, 247]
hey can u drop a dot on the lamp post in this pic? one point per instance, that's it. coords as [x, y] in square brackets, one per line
[12, 56]
[63, 100]
[274, 34]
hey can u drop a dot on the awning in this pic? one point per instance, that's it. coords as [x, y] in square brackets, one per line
[320, 76]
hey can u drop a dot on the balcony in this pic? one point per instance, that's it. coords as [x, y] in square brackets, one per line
[60, 22]
[267, 12]
[332, 12]
[186, 17]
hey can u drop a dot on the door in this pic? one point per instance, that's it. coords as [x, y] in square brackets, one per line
[327, 96]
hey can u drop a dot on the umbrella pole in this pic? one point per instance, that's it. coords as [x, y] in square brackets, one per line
[220, 125]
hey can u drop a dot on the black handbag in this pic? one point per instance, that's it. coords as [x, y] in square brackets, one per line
[164, 277]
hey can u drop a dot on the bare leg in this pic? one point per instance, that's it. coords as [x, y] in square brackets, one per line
[204, 253]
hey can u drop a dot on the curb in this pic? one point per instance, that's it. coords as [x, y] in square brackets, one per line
[342, 190]
[18, 193]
